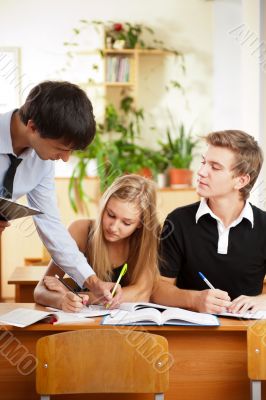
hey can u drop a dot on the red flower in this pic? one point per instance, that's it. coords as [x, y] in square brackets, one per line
[118, 27]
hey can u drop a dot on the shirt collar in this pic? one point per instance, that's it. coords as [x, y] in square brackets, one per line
[247, 213]
[5, 136]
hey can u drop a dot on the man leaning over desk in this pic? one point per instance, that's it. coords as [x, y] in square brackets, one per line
[56, 119]
[223, 236]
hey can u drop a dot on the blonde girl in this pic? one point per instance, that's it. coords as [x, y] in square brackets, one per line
[125, 231]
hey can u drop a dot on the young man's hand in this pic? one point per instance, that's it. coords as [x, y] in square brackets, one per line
[102, 291]
[251, 304]
[4, 225]
[213, 301]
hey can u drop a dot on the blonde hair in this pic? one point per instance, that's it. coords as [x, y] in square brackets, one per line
[248, 154]
[143, 243]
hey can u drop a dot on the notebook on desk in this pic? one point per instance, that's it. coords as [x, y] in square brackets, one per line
[22, 317]
[247, 315]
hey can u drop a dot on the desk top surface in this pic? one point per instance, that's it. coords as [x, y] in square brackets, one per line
[227, 324]
[28, 274]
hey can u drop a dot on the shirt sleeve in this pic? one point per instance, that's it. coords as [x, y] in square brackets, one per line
[56, 238]
[170, 253]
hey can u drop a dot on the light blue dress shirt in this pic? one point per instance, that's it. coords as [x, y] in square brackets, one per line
[35, 179]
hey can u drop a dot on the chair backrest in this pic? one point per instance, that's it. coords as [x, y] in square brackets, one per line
[256, 342]
[102, 361]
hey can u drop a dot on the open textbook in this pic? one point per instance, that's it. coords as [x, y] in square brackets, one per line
[23, 317]
[138, 306]
[156, 314]
[10, 210]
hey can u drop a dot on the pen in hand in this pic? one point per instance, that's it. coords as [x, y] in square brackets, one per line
[122, 273]
[203, 277]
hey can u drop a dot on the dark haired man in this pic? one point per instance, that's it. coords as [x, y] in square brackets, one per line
[56, 119]
[223, 236]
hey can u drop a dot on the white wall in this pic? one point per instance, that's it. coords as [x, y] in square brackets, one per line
[41, 27]
[227, 15]
[239, 54]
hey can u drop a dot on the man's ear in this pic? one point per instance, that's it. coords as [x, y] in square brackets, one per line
[31, 126]
[242, 181]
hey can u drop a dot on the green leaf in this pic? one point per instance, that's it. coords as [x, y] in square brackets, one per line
[71, 193]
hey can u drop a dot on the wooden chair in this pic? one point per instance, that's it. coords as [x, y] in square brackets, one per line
[256, 342]
[102, 361]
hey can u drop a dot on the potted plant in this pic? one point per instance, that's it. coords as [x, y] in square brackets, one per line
[114, 149]
[179, 152]
[95, 151]
[161, 163]
[128, 157]
[125, 35]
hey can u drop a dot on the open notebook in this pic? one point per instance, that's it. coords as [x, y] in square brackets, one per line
[156, 314]
[247, 315]
[23, 317]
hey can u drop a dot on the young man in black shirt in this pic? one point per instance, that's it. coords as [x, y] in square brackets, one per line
[223, 236]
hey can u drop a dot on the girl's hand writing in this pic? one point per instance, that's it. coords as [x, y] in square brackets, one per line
[73, 303]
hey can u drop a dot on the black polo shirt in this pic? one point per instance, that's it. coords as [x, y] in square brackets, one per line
[188, 247]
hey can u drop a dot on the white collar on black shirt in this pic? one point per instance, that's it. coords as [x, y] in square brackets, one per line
[247, 213]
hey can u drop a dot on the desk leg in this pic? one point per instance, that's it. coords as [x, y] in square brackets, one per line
[255, 389]
[17, 294]
[24, 293]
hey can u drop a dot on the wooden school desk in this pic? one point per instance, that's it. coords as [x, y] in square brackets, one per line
[210, 363]
[25, 279]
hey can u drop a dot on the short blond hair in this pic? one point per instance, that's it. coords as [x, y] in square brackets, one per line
[248, 154]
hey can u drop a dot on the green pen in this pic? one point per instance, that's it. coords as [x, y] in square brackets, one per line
[122, 273]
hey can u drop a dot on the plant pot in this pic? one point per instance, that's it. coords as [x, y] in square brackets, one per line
[119, 44]
[180, 178]
[161, 180]
[146, 172]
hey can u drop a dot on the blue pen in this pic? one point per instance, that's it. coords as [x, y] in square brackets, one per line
[206, 280]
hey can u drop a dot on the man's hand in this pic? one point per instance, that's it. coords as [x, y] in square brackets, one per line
[212, 301]
[4, 225]
[251, 304]
[102, 291]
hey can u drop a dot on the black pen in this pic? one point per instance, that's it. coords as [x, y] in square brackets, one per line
[68, 287]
